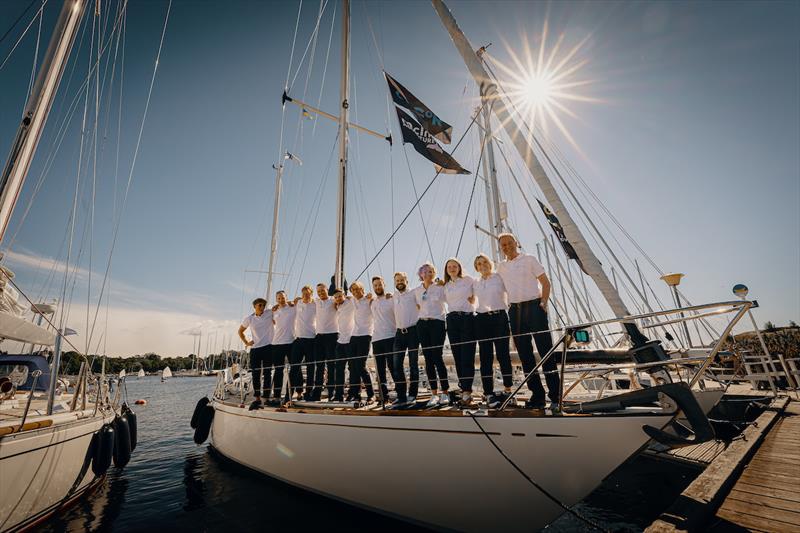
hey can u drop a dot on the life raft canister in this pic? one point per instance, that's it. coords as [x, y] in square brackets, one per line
[201, 403]
[133, 427]
[103, 449]
[122, 444]
[204, 419]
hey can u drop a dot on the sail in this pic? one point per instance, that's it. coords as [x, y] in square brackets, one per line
[122, 373]
[141, 373]
[166, 373]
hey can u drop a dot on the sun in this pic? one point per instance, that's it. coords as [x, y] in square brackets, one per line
[538, 90]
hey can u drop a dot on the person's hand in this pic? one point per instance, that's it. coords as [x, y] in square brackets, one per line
[274, 308]
[369, 296]
[297, 299]
[439, 282]
[471, 298]
[418, 307]
[388, 295]
[543, 305]
[249, 343]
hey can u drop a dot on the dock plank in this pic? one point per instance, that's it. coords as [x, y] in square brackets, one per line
[792, 493]
[732, 519]
[764, 512]
[763, 499]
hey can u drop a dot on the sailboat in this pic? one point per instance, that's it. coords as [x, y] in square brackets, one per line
[141, 373]
[55, 444]
[166, 374]
[533, 464]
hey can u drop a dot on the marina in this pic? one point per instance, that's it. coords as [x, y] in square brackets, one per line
[542, 329]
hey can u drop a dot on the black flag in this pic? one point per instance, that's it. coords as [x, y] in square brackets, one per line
[562, 237]
[403, 97]
[425, 144]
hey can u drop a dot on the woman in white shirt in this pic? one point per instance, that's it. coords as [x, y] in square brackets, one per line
[431, 328]
[461, 324]
[492, 328]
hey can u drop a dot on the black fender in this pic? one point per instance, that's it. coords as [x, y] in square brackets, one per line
[201, 403]
[204, 419]
[680, 393]
[103, 449]
[122, 444]
[133, 427]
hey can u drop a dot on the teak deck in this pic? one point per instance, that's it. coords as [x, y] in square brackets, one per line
[767, 495]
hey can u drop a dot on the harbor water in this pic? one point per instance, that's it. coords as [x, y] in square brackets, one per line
[173, 484]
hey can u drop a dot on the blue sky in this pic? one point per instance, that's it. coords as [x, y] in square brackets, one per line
[691, 143]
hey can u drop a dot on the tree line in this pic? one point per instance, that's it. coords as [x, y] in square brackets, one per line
[150, 362]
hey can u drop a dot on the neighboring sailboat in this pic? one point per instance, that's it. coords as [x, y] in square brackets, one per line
[166, 374]
[141, 373]
[533, 465]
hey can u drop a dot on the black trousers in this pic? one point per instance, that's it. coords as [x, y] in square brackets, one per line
[492, 332]
[382, 350]
[302, 352]
[281, 354]
[324, 354]
[461, 331]
[343, 354]
[405, 340]
[526, 318]
[261, 367]
[431, 337]
[357, 366]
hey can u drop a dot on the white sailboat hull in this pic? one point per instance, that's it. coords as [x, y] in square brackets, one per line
[403, 465]
[42, 468]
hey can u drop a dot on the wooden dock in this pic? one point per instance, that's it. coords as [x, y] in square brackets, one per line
[754, 484]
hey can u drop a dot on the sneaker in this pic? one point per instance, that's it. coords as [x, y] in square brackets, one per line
[534, 403]
[466, 397]
[399, 403]
[444, 398]
[493, 401]
[554, 407]
[433, 402]
[412, 400]
[255, 405]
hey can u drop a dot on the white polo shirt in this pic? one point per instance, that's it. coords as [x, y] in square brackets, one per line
[326, 316]
[458, 291]
[383, 318]
[491, 293]
[519, 276]
[345, 318]
[363, 318]
[406, 313]
[304, 321]
[261, 328]
[431, 301]
[284, 325]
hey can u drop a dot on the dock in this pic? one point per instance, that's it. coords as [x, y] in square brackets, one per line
[752, 484]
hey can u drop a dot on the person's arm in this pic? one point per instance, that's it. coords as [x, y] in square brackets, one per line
[545, 284]
[244, 339]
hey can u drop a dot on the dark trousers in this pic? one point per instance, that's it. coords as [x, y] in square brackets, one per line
[405, 340]
[357, 366]
[343, 354]
[526, 318]
[302, 352]
[324, 355]
[382, 351]
[492, 332]
[431, 337]
[461, 331]
[261, 366]
[281, 354]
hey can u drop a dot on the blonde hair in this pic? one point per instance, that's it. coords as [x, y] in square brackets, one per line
[483, 256]
[422, 266]
[460, 269]
[356, 284]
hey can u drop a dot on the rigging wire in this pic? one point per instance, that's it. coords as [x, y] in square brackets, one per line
[471, 194]
[14, 24]
[419, 206]
[22, 36]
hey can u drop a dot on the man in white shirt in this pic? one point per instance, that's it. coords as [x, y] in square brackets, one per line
[324, 342]
[406, 338]
[382, 309]
[284, 314]
[303, 347]
[528, 290]
[345, 317]
[359, 345]
[261, 330]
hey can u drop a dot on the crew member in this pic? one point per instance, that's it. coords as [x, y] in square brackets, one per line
[345, 315]
[528, 291]
[458, 290]
[431, 329]
[382, 309]
[284, 315]
[303, 347]
[261, 332]
[324, 343]
[359, 345]
[406, 316]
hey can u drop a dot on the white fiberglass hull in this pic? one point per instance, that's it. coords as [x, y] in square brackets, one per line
[439, 471]
[42, 469]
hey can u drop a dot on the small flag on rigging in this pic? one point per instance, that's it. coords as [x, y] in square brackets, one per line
[403, 97]
[425, 144]
[562, 237]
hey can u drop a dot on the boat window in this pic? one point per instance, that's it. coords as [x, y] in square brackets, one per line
[18, 374]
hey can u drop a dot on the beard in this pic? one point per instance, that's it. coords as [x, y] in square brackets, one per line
[378, 292]
[400, 286]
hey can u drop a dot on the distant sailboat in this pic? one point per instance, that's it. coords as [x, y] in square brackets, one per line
[166, 373]
[141, 373]
[122, 373]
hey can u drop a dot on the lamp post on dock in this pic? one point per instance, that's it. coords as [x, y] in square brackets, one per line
[673, 280]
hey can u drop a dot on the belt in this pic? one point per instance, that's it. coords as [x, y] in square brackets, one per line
[430, 318]
[495, 312]
[518, 304]
[461, 313]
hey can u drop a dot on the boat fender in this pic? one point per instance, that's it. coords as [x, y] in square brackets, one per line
[122, 444]
[140, 402]
[103, 449]
[204, 419]
[202, 402]
[132, 425]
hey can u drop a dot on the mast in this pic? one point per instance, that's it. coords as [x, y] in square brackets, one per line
[39, 103]
[492, 97]
[344, 93]
[490, 193]
[273, 249]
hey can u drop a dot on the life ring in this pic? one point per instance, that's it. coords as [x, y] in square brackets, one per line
[204, 419]
[122, 444]
[201, 403]
[132, 425]
[103, 449]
